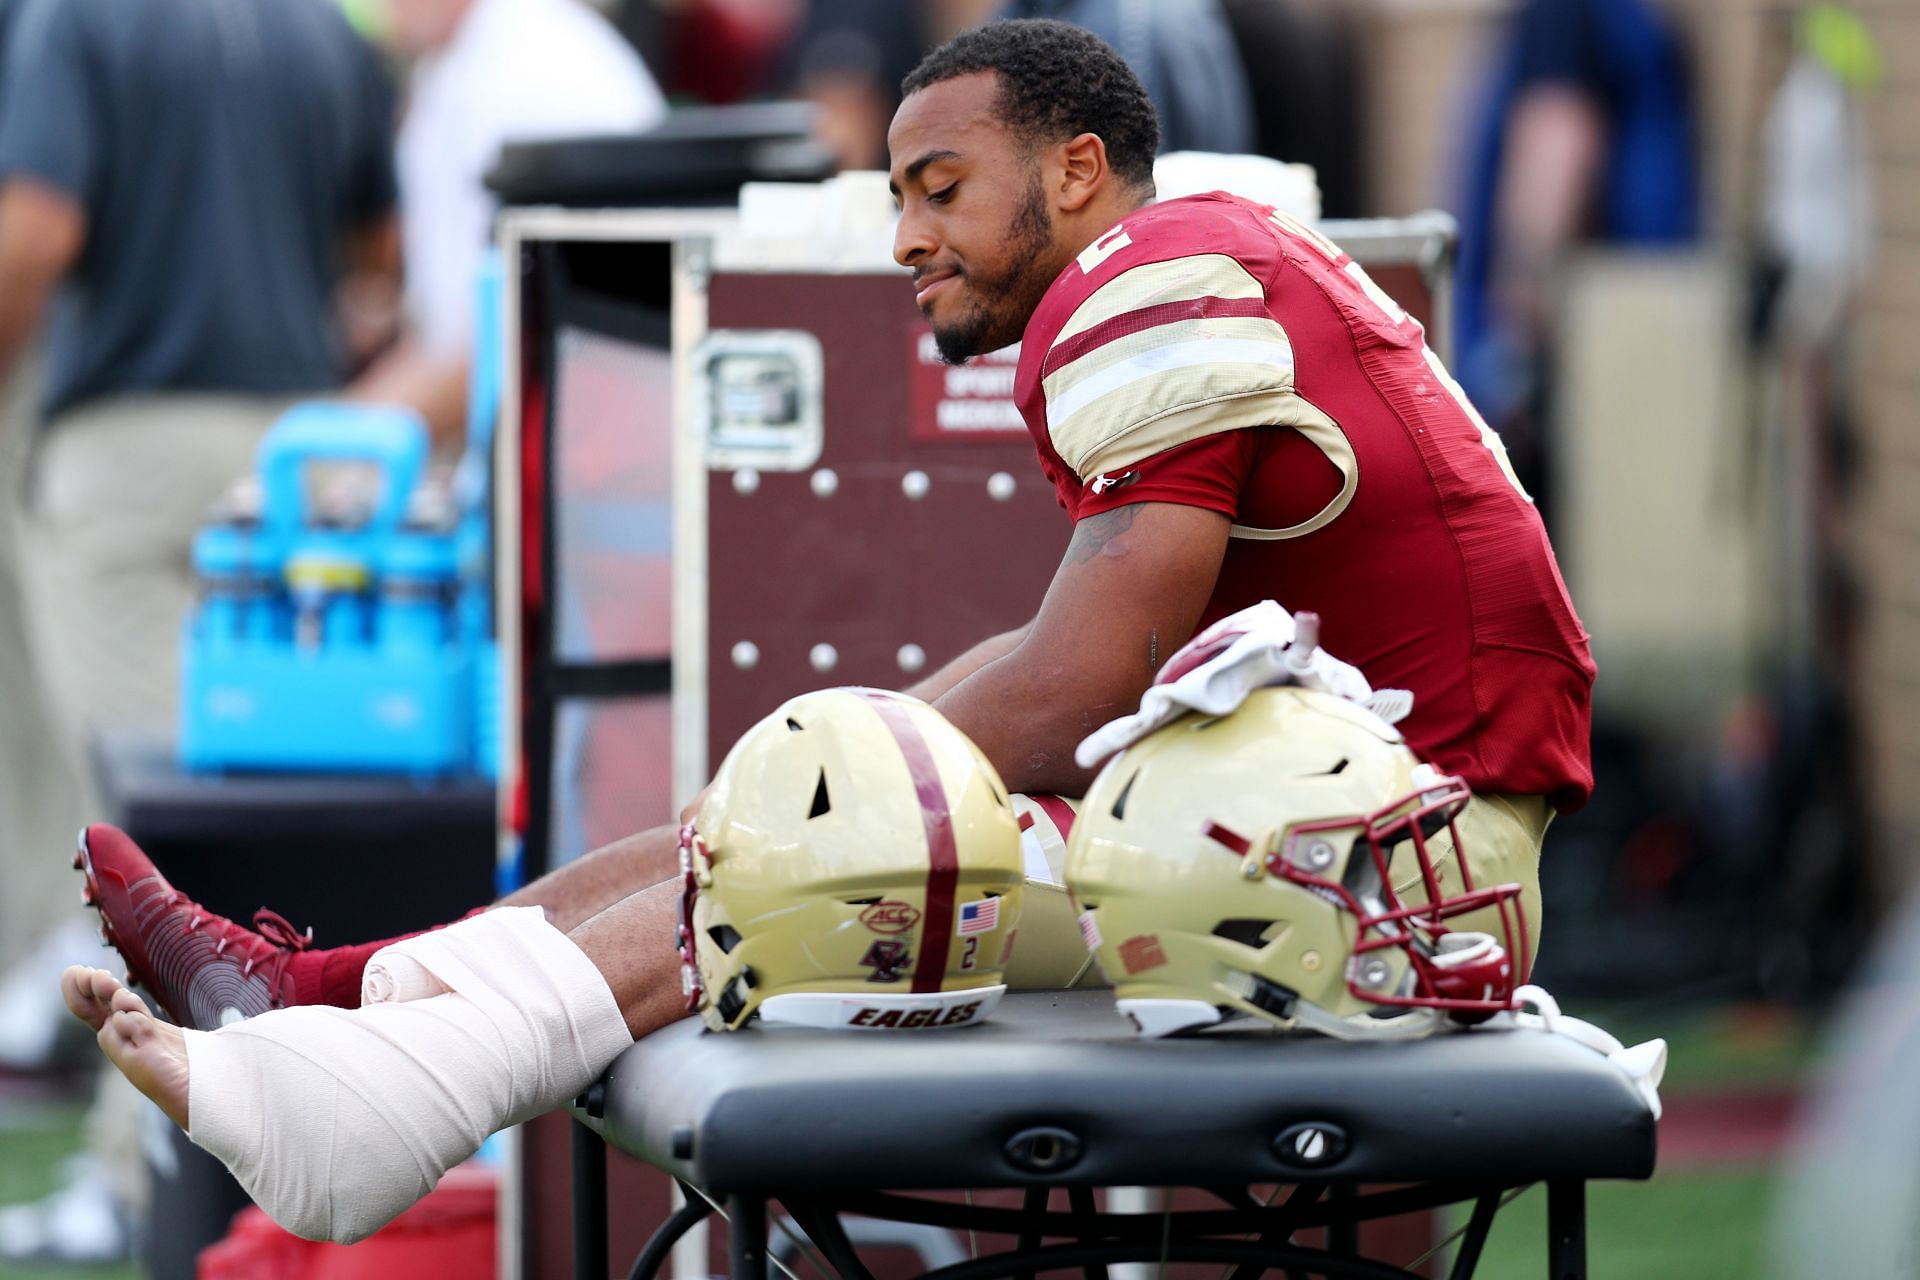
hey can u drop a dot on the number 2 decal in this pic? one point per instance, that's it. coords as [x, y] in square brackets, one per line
[967, 954]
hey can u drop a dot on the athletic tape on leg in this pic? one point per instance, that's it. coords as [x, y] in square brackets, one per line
[337, 1120]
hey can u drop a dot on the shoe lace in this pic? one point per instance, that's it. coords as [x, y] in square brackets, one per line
[274, 927]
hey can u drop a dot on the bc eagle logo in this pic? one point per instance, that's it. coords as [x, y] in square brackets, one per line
[886, 957]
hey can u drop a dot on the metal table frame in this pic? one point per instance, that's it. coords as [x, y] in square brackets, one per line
[1094, 1240]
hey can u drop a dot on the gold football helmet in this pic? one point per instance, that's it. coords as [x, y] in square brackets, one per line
[1229, 865]
[856, 863]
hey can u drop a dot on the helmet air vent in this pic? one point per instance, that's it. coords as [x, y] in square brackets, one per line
[1248, 933]
[821, 802]
[1339, 768]
[724, 936]
[793, 726]
[1120, 805]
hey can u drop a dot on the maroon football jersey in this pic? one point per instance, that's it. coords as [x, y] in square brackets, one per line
[1211, 352]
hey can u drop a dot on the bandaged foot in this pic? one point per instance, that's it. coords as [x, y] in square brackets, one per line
[148, 1052]
[337, 1120]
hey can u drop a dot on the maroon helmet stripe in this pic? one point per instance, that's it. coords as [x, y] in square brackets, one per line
[943, 856]
[1058, 810]
[1120, 326]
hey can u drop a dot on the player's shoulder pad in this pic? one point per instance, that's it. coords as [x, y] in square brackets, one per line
[1159, 333]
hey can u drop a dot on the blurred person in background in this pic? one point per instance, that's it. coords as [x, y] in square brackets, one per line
[484, 73]
[183, 189]
[1587, 135]
[1303, 65]
[38, 798]
[1184, 53]
[849, 56]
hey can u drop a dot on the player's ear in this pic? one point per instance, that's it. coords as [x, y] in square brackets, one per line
[1083, 172]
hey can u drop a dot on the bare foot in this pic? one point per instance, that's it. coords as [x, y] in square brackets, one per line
[88, 993]
[150, 1053]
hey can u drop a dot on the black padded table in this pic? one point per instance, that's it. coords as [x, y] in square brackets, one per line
[1055, 1092]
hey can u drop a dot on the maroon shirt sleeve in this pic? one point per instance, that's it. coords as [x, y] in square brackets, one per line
[1210, 473]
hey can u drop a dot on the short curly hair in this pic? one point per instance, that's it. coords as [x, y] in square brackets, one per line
[1057, 81]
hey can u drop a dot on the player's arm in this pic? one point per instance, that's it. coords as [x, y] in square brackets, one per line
[42, 230]
[936, 685]
[1129, 591]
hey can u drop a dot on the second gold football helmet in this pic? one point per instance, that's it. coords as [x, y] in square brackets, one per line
[1239, 864]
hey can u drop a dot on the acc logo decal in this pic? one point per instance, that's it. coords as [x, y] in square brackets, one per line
[1142, 953]
[886, 957]
[871, 1017]
[890, 917]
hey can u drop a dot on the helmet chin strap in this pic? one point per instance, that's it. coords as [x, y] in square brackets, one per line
[1644, 1064]
[1411, 1025]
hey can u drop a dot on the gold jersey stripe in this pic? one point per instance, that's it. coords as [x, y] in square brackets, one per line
[1201, 275]
[1178, 333]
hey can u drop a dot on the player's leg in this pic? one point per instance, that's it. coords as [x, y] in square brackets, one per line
[1049, 953]
[207, 971]
[337, 1120]
[577, 892]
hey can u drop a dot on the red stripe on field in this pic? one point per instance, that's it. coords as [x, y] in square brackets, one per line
[1065, 353]
[943, 856]
[1058, 810]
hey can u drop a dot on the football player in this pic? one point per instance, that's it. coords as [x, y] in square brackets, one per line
[1229, 409]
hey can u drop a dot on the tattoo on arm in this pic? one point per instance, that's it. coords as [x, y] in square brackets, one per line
[1153, 648]
[1092, 536]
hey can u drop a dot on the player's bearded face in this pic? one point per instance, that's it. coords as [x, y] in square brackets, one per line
[997, 295]
[976, 227]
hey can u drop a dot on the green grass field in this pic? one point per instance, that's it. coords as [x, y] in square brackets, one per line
[1698, 1223]
[34, 1138]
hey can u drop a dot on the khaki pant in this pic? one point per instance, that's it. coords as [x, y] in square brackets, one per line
[120, 487]
[1503, 836]
[40, 807]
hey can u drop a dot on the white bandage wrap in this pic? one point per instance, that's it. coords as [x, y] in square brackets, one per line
[337, 1120]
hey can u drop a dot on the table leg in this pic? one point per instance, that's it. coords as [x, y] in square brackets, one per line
[1080, 1201]
[746, 1238]
[694, 1210]
[1033, 1201]
[1468, 1256]
[1343, 1238]
[1567, 1230]
[589, 1204]
[822, 1225]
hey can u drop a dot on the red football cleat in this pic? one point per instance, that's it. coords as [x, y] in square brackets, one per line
[204, 970]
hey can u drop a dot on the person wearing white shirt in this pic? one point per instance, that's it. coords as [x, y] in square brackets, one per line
[486, 73]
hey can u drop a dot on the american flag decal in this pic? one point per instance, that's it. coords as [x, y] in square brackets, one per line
[980, 917]
[1089, 931]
